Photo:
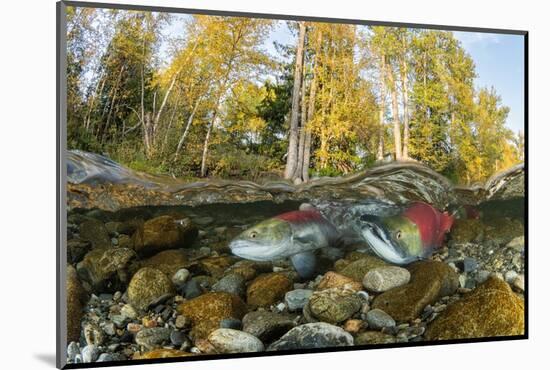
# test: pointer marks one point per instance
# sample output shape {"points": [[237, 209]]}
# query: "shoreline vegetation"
{"points": [[233, 99]]}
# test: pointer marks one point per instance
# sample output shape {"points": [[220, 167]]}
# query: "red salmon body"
{"points": [[301, 216], [432, 224]]}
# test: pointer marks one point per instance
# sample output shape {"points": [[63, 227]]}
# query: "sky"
{"points": [[499, 61]]}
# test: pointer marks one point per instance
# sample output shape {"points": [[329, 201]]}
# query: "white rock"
{"points": [[385, 278], [518, 243], [519, 283], [128, 311], [180, 277], [510, 275], [234, 341]]}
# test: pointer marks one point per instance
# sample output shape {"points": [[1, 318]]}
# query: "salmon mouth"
{"points": [[254, 251]]}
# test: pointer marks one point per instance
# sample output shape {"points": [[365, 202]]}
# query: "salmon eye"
{"points": [[398, 235], [253, 234]]}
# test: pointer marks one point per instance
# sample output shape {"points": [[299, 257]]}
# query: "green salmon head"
{"points": [[266, 241], [395, 239]]}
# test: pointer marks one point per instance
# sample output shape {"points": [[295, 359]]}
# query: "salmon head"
{"points": [[411, 235]]}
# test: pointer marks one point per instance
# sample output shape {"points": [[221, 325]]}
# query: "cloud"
{"points": [[469, 39]]}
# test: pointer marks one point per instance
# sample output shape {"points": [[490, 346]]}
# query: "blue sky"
{"points": [[499, 61]]}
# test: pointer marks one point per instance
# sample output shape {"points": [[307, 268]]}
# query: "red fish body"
{"points": [[432, 224]]}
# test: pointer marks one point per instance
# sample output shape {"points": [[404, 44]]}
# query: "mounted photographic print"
{"points": [[234, 184]]}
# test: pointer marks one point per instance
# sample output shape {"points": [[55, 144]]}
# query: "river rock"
{"points": [[93, 335], [147, 286], [216, 266], [502, 230], [467, 231], [169, 261], [385, 278], [234, 341], [268, 289], [231, 323], [161, 353], [90, 353], [231, 283], [266, 325], [191, 289], [77, 249], [72, 350], [109, 357], [75, 304], [334, 305], [356, 270], [161, 233], [335, 280], [180, 277], [313, 335], [151, 338], [206, 311], [430, 280], [296, 299], [378, 319], [490, 310], [374, 337], [105, 270], [95, 232], [128, 311], [247, 269], [518, 243]]}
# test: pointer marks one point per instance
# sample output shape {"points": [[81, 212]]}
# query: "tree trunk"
{"points": [[108, 122], [186, 131], [292, 154], [395, 112], [163, 104], [303, 121], [405, 88], [381, 112], [205, 146], [97, 91]]}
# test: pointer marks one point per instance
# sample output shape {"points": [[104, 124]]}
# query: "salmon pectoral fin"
{"points": [[305, 264]]}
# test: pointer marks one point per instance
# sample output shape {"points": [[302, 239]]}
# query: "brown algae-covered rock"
{"points": [[216, 266], [430, 280], [334, 305], [75, 299], [168, 261], [374, 337], [104, 269], [95, 232], [335, 280], [147, 286], [467, 230], [492, 309], [207, 310], [268, 289], [163, 233], [161, 353], [356, 270]]}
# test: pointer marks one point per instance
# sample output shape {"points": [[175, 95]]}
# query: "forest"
{"points": [[331, 100]]}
